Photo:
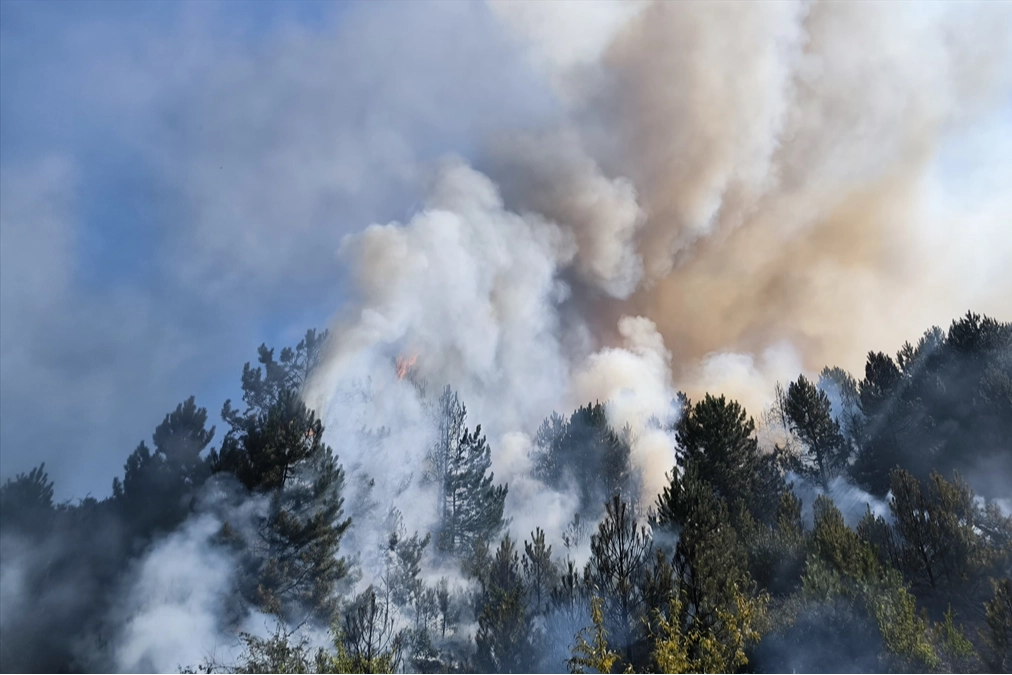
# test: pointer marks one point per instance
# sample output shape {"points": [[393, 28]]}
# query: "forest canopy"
{"points": [[751, 558]]}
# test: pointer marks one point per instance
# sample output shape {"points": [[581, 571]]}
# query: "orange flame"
{"points": [[405, 364]]}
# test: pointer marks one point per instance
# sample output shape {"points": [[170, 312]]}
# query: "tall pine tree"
{"points": [[507, 640], [275, 448], [470, 505], [825, 451]]}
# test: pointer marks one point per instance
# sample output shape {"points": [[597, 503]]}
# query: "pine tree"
{"points": [[569, 604], [507, 640], [586, 453], [619, 556], [838, 546], [937, 526], [157, 486], [275, 449], [540, 571], [400, 577], [997, 635], [26, 502], [721, 610], [810, 413], [470, 504], [369, 637], [548, 457], [880, 450], [776, 553], [719, 440]]}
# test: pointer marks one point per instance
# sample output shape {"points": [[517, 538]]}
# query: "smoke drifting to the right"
{"points": [[755, 174], [732, 195], [582, 403]]}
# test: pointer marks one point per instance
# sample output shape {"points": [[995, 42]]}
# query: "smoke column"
{"points": [[736, 192], [728, 195]]}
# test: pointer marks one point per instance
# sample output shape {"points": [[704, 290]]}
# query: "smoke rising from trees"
{"points": [[571, 414]]}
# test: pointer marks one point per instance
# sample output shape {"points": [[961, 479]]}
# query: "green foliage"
{"points": [[844, 566], [619, 555], [26, 501], [264, 386], [720, 611], [368, 641], [997, 634], [285, 652], [157, 486], [681, 645], [904, 632], [586, 452], [838, 546], [540, 571], [878, 534], [937, 526], [825, 451], [727, 579], [403, 565], [507, 640], [952, 645], [718, 439], [670, 647], [942, 406], [776, 553], [595, 653], [470, 504], [276, 449]]}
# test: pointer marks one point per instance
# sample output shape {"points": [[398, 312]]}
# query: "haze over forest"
{"points": [[649, 336]]}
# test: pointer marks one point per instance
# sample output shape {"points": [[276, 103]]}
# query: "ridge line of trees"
{"points": [[720, 574]]}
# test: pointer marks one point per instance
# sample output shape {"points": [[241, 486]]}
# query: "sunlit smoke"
{"points": [[736, 194]]}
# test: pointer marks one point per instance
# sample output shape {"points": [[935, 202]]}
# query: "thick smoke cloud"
{"points": [[736, 193], [176, 178], [719, 197], [781, 156]]}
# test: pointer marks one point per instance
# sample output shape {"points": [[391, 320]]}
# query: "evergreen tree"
{"points": [[877, 533], [619, 556], [549, 457], [158, 486], [942, 405], [401, 581], [568, 614], [825, 451], [586, 453], [838, 546], [470, 504], [776, 553], [276, 449], [937, 525], [997, 634], [719, 440], [507, 640], [26, 502], [369, 637], [540, 571], [880, 448]]}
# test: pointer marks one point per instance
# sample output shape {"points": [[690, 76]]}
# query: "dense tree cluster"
{"points": [[728, 570]]}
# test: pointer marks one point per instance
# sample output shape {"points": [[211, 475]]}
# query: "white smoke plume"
{"points": [[852, 501], [177, 607], [736, 193], [784, 158], [731, 193]]}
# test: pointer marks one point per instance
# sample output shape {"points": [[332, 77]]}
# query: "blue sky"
{"points": [[177, 178]]}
